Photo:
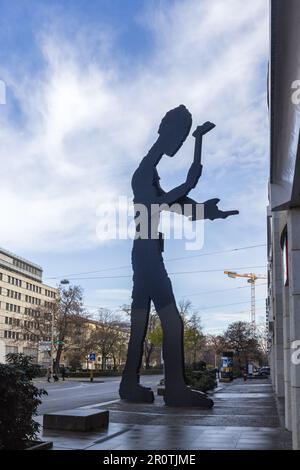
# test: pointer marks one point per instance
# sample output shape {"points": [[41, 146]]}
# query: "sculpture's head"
{"points": [[174, 129]]}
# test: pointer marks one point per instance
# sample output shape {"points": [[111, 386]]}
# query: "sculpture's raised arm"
{"points": [[194, 172]]}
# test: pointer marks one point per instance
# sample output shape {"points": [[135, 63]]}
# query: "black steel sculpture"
{"points": [[150, 278]]}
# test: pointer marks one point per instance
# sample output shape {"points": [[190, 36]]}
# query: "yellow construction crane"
{"points": [[252, 278]]}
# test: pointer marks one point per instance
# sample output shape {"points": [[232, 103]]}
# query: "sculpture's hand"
{"points": [[212, 212], [198, 134], [201, 130]]}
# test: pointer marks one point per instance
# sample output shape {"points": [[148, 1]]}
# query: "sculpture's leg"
{"points": [[177, 393], [173, 353], [130, 389]]}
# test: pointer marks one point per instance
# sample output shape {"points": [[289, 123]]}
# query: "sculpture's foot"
{"points": [[136, 393], [187, 397]]}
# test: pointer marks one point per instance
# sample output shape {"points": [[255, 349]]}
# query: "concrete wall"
{"points": [[294, 303], [277, 308], [285, 313]]}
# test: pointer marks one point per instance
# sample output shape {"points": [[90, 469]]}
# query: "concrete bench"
{"points": [[76, 420]]}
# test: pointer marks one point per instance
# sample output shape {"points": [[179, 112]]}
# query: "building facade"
{"points": [[22, 295], [284, 210], [113, 340]]}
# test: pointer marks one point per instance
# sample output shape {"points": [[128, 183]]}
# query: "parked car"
{"points": [[264, 371]]}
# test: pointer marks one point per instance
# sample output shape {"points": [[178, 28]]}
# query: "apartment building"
{"points": [[22, 294]]}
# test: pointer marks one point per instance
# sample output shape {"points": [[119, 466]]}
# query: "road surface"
{"points": [[75, 394]]}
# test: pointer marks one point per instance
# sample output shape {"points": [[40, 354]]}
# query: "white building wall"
{"points": [[287, 358], [277, 304], [294, 301]]}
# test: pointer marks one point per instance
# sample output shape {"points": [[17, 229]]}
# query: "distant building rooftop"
{"points": [[17, 264]]}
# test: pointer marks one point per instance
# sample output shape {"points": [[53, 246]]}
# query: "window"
{"points": [[11, 349], [14, 281], [285, 257], [13, 294], [33, 352], [13, 308]]}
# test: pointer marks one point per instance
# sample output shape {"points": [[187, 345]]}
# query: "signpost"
{"points": [[227, 367], [44, 346], [92, 359]]}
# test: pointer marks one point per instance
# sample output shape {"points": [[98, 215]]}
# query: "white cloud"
{"points": [[86, 123]]}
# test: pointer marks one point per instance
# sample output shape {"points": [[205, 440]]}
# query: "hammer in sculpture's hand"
{"points": [[195, 170]]}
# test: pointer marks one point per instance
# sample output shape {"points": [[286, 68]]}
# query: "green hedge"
{"points": [[96, 373], [152, 371], [110, 373], [201, 380]]}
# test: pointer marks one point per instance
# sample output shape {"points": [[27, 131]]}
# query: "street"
{"points": [[77, 393]]}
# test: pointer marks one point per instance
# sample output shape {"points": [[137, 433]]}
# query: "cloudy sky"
{"points": [[87, 83]]}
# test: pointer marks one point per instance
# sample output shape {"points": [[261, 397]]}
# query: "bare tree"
{"points": [[108, 336], [215, 344], [69, 317], [63, 317], [242, 338], [184, 307]]}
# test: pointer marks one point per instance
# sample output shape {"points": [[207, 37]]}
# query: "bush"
{"points": [[19, 400], [75, 363], [200, 365], [110, 373], [96, 373], [154, 371], [201, 380], [42, 372]]}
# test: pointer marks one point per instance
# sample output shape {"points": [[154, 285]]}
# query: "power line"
{"points": [[228, 305], [243, 311], [217, 252], [167, 260], [211, 306], [200, 308], [172, 273], [223, 305], [184, 295], [221, 290]]}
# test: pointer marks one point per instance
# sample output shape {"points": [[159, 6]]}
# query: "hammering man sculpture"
{"points": [[150, 278]]}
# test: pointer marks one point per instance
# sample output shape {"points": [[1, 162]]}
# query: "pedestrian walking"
{"points": [[48, 376], [55, 377], [63, 373]]}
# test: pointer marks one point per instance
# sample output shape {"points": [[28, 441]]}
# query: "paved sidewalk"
{"points": [[244, 417]]}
